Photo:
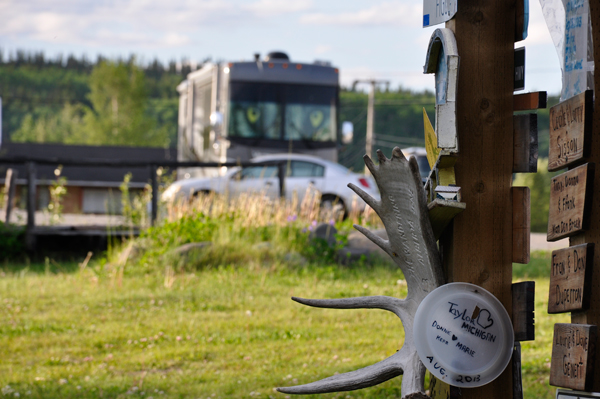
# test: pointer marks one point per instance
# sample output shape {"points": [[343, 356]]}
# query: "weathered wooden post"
{"points": [[9, 192], [478, 246], [281, 170], [31, 205], [154, 188]]}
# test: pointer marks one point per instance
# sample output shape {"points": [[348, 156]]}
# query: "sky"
{"points": [[365, 39]]}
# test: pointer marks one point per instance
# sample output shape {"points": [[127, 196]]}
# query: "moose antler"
{"points": [[412, 246]]}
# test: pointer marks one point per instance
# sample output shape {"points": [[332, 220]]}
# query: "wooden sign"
{"points": [[521, 19], [570, 131], [570, 278], [521, 227], [517, 372], [523, 310], [525, 139], [530, 101], [570, 194], [567, 394], [573, 355]]}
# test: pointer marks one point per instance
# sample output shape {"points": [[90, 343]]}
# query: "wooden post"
{"points": [[10, 187], [31, 205], [154, 183], [477, 248], [281, 169], [592, 235]]}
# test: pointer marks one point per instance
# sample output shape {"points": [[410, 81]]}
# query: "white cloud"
{"points": [[129, 23], [394, 14], [323, 49], [175, 39], [270, 8]]}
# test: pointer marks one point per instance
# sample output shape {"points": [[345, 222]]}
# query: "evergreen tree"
{"points": [[119, 97]]}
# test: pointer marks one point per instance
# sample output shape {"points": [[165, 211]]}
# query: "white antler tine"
{"points": [[397, 153], [412, 246], [364, 302], [369, 164], [372, 202], [380, 242], [357, 379], [381, 156]]}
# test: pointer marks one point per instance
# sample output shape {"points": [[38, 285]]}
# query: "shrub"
{"points": [[12, 241], [247, 231]]}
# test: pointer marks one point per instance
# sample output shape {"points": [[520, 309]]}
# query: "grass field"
{"points": [[71, 332]]}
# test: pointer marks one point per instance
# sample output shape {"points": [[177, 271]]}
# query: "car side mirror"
{"points": [[347, 132]]}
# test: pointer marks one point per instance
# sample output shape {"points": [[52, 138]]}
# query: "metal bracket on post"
{"points": [[443, 60]]}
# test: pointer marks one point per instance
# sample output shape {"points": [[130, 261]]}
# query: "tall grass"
{"points": [[247, 231]]}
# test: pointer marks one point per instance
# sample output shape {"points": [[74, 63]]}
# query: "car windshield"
{"points": [[282, 111]]}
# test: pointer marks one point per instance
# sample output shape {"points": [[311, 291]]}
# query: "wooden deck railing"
{"points": [[152, 166]]}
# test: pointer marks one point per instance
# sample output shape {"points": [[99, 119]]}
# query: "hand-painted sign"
{"points": [[438, 11], [573, 350], [463, 335], [570, 131], [570, 193], [577, 56], [570, 278]]}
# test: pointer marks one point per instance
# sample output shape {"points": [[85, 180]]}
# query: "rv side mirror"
{"points": [[347, 132], [216, 119]]}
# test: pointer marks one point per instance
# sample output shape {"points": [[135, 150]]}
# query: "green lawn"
{"points": [[221, 332]]}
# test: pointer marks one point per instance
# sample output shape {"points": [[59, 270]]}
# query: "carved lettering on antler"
{"points": [[412, 245]]}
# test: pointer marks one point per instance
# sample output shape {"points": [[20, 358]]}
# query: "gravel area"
{"points": [[538, 241]]}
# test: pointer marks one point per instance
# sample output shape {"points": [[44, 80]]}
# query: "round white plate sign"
{"points": [[463, 335]]}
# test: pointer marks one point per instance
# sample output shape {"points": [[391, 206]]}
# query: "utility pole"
{"points": [[370, 113]]}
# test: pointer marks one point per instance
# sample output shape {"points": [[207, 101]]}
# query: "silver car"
{"points": [[302, 172]]}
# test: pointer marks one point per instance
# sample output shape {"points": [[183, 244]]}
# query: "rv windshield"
{"points": [[283, 111]]}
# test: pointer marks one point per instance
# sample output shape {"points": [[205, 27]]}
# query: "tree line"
{"points": [[126, 102], [76, 101]]}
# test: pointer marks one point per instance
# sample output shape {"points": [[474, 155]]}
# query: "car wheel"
{"points": [[199, 195], [333, 207]]}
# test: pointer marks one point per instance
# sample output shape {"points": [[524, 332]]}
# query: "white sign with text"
{"points": [[463, 335], [438, 11]]}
